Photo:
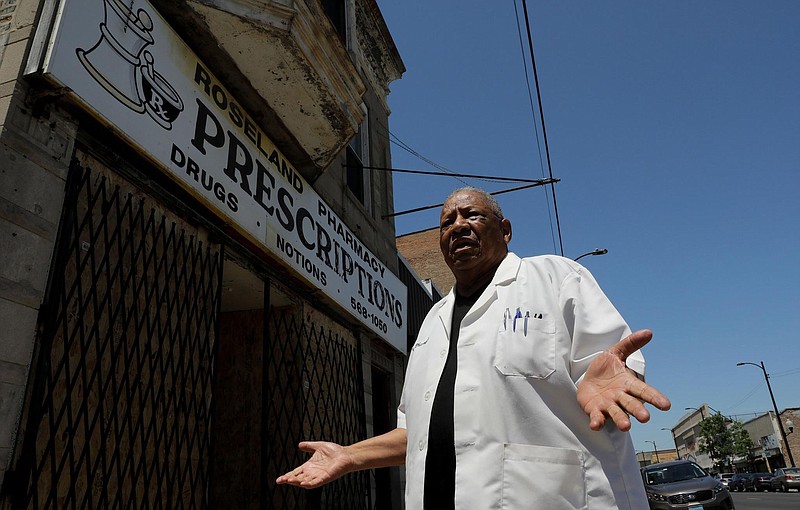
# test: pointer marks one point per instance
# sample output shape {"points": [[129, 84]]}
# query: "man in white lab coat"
{"points": [[500, 381]]}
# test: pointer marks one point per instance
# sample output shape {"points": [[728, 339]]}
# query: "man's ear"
{"points": [[506, 230]]}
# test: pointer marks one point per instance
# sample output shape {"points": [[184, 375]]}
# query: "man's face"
{"points": [[473, 239]]}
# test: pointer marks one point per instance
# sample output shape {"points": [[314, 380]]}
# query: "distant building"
{"points": [[686, 434], [645, 458], [769, 452], [791, 424], [421, 250], [422, 295]]}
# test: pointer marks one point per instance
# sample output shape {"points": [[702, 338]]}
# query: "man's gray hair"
{"points": [[493, 204]]}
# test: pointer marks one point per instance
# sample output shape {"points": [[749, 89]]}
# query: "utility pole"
{"points": [[674, 440], [775, 407], [655, 448]]}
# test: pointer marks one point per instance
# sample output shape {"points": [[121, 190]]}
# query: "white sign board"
{"points": [[126, 65]]}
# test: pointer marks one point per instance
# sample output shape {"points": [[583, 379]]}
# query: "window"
{"points": [[337, 13], [358, 178]]}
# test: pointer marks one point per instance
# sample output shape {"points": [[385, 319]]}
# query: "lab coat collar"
{"points": [[506, 272], [508, 269]]}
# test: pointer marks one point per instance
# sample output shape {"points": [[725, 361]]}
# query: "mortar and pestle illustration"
{"points": [[122, 66], [161, 100]]}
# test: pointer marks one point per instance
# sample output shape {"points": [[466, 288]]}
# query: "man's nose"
{"points": [[460, 224]]}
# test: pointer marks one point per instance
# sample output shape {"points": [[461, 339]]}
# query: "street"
{"points": [[766, 500]]}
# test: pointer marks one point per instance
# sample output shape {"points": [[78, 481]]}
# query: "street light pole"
{"points": [[774, 406], [677, 453], [598, 251], [702, 412], [655, 448]]}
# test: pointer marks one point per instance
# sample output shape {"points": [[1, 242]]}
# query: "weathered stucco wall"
{"points": [[34, 157]]}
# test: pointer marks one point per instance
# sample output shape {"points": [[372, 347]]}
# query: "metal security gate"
{"points": [[120, 408], [317, 393], [122, 401]]}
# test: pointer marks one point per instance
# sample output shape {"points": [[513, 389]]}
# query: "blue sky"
{"points": [[675, 130]]}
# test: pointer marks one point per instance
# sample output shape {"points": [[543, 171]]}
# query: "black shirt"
{"points": [[440, 462]]}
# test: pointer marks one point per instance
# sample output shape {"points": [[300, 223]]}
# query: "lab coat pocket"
{"points": [[528, 351], [543, 478]]}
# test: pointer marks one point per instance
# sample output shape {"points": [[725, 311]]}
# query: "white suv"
{"points": [[725, 478]]}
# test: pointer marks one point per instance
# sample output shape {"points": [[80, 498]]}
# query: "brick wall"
{"points": [[421, 250], [793, 415]]}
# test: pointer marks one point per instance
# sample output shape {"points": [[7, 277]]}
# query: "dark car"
{"points": [[784, 479], [758, 482], [685, 485], [736, 483]]}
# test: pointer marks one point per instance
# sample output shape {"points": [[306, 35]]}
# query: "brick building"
{"points": [[421, 249], [790, 418]]}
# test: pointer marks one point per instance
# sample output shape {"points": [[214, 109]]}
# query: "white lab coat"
{"points": [[522, 440]]}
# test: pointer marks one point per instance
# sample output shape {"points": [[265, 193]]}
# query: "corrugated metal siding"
{"points": [[419, 302]]}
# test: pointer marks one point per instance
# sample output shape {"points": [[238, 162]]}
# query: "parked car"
{"points": [[784, 479], [758, 482], [683, 484], [725, 478], [736, 483]]}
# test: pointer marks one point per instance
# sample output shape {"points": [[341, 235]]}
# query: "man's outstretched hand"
{"points": [[328, 462], [610, 389]]}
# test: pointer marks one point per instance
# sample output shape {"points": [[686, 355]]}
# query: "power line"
{"points": [[750, 394], [491, 178], [541, 116], [540, 182], [783, 374], [533, 114], [394, 139], [397, 141], [754, 414]]}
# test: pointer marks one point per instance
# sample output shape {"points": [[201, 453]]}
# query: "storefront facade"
{"points": [[198, 270]]}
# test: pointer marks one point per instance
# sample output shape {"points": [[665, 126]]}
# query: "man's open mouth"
{"points": [[461, 245]]}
